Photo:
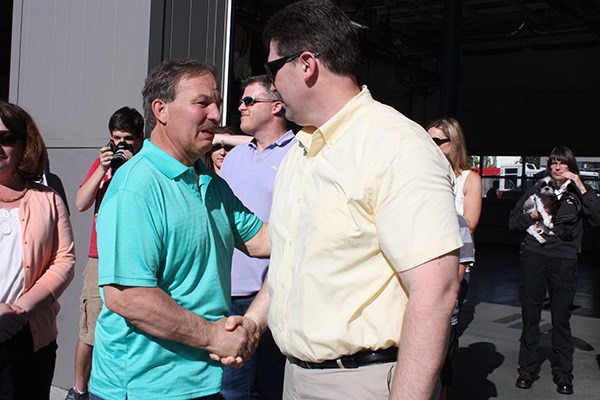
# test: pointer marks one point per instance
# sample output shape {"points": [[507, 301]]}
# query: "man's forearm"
{"points": [[87, 192], [154, 312], [259, 309], [425, 329], [422, 350]]}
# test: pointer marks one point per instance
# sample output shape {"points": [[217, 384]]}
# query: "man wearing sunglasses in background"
{"points": [[363, 274], [250, 171]]}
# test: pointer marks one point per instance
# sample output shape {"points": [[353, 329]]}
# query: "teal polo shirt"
{"points": [[159, 226]]}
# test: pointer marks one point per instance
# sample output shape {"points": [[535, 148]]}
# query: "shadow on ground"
{"points": [[476, 362]]}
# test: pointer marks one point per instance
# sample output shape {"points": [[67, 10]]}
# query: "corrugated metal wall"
{"points": [[192, 29]]}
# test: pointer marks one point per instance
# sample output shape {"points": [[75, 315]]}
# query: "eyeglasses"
{"points": [[10, 138], [219, 146], [439, 141], [249, 100], [272, 67]]}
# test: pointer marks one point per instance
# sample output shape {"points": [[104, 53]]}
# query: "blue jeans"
{"points": [[240, 383], [261, 377]]}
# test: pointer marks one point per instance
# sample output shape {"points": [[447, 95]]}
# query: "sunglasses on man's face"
{"points": [[439, 141], [249, 100], [9, 138], [272, 67]]}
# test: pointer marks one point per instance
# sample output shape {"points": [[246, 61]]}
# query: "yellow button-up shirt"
{"points": [[365, 196]]}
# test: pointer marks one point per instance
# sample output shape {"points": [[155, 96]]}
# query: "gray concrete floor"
{"points": [[491, 326], [57, 393], [488, 353]]}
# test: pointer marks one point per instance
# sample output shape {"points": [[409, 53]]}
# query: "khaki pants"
{"points": [[372, 382], [91, 303]]}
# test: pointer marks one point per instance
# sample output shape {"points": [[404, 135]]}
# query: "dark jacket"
{"points": [[568, 221]]}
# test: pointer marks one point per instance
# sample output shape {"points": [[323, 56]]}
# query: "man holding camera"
{"points": [[126, 128]]}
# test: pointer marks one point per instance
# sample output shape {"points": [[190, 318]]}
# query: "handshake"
{"points": [[234, 339]]}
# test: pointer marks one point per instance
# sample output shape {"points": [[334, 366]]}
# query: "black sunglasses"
{"points": [[439, 141], [272, 67], [10, 138], [249, 100]]}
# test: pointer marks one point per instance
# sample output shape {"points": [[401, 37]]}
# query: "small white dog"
{"points": [[543, 201]]}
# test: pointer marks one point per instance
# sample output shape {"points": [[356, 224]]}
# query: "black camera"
{"points": [[118, 149]]}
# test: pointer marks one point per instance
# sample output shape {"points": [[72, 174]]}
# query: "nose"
{"points": [[214, 114], [241, 106]]}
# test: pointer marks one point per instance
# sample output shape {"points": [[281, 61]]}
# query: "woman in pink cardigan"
{"points": [[36, 260]]}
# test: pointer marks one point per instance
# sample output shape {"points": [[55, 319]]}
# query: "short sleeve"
{"points": [[91, 171], [129, 245], [414, 212], [245, 224]]}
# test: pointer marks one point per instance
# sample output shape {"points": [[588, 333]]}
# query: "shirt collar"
{"points": [[163, 161], [314, 139], [281, 142]]}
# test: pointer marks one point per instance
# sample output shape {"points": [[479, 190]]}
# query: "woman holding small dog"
{"points": [[552, 265]]}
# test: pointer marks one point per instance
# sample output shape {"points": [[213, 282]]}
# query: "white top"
{"points": [[12, 277], [459, 194]]}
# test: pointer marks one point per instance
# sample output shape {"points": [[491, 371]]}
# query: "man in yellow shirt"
{"points": [[363, 227]]}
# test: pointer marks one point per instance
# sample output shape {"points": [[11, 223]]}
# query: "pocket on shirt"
{"points": [[328, 229]]}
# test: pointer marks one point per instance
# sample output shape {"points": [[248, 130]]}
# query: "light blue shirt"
{"points": [[160, 227], [251, 175]]}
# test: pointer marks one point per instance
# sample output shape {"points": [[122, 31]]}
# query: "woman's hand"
{"points": [[576, 180], [12, 320]]}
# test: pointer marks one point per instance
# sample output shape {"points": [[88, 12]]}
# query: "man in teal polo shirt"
{"points": [[165, 262]]}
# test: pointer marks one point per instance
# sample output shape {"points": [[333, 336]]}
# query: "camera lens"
{"points": [[119, 156]]}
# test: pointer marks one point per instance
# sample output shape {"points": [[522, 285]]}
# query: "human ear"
{"points": [[160, 111]]}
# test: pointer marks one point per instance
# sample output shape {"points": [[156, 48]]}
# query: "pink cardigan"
{"points": [[48, 255]]}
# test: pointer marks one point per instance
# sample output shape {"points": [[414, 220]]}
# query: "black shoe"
{"points": [[525, 380], [564, 388], [75, 395]]}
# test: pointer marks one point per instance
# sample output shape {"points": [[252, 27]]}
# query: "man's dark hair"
{"points": [[318, 26], [127, 119], [566, 156], [162, 82], [264, 81]]}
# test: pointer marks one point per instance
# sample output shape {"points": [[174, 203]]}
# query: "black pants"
{"points": [[559, 276], [24, 374]]}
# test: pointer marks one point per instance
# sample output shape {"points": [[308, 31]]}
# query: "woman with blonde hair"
{"points": [[449, 137], [36, 244]]}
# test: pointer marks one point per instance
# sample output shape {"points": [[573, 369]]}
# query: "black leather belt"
{"points": [[360, 359], [247, 296]]}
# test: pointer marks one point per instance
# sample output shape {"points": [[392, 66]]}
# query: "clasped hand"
{"points": [[12, 320], [235, 340]]}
